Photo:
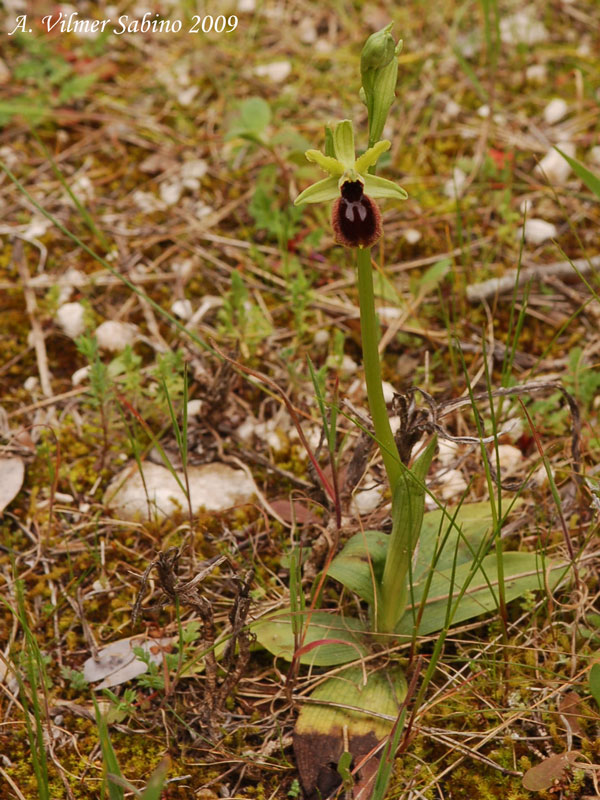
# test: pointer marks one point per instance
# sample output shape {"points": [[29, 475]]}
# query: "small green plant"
{"points": [[242, 319]]}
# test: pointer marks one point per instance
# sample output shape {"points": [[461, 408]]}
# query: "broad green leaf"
{"points": [[381, 696], [523, 572], [275, 634], [319, 192], [351, 566], [452, 542], [595, 682], [591, 181]]}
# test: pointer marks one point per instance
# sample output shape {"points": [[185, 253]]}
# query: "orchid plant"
{"points": [[409, 590]]}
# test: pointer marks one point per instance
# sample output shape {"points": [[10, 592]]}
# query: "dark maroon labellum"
{"points": [[355, 218]]}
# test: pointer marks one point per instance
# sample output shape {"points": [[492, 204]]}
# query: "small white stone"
{"points": [[540, 476], [83, 189], [214, 487], [246, 6], [348, 365], [452, 484], [276, 71], [70, 317], [553, 167], [412, 235], [194, 168], [182, 309], [366, 499], [454, 185], [170, 192], [452, 109], [245, 431], [36, 228], [201, 210], [388, 391], [595, 154], [31, 384], [536, 73], [185, 97], [510, 458], [80, 375], [483, 111], [555, 110], [447, 452], [146, 201], [306, 31], [536, 231], [194, 407], [321, 337], [115, 336], [522, 28], [183, 268], [525, 206]]}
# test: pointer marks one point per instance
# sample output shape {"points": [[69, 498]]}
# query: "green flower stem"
{"points": [[370, 341]]}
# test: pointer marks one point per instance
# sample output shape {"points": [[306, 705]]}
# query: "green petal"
{"points": [[330, 165], [381, 187], [371, 156], [343, 143], [319, 192]]}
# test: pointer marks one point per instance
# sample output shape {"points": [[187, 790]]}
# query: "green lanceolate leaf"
{"points": [[345, 713], [338, 638], [466, 592]]}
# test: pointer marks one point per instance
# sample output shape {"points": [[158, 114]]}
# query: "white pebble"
{"points": [[510, 458], [194, 168], [555, 110], [483, 111], [454, 185], [70, 317], [366, 500], [170, 192], [276, 71], [246, 6], [452, 484], [522, 28], [553, 167], [525, 206], [80, 375], [115, 336], [536, 73], [447, 452], [321, 337], [595, 154], [536, 231], [412, 235], [182, 309], [452, 109], [194, 407]]}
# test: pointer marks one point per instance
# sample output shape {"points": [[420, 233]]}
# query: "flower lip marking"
{"points": [[355, 218]]}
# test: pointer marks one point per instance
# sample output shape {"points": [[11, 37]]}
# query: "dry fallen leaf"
{"points": [[12, 473], [543, 775]]}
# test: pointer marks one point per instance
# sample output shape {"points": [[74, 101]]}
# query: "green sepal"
{"points": [[319, 192], [330, 165], [381, 187], [343, 142], [371, 156]]}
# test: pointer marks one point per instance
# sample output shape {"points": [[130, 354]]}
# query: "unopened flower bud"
{"points": [[379, 72], [378, 50]]}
